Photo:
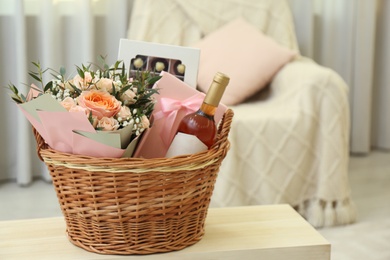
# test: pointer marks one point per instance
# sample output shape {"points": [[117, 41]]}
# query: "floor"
{"points": [[368, 238]]}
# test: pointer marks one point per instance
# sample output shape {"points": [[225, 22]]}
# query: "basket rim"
{"points": [[197, 162], [108, 164]]}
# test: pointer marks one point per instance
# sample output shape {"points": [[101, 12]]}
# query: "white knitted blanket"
{"points": [[289, 144], [292, 147]]}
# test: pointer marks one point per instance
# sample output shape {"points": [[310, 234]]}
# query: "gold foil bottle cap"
{"points": [[221, 78], [217, 88]]}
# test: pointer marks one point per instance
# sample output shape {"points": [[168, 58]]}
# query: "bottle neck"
{"points": [[207, 110], [214, 95]]}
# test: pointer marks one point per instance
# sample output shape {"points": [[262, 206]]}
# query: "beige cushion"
{"points": [[246, 55]]}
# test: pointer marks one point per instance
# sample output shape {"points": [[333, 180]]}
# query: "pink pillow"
{"points": [[246, 55]]}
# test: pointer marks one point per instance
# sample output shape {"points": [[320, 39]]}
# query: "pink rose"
{"points": [[100, 103], [83, 83], [108, 124], [33, 93], [68, 103], [104, 84], [79, 109]]}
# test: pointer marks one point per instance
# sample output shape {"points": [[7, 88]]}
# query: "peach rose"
{"points": [[124, 113], [104, 84], [145, 122], [128, 97], [100, 103], [68, 103], [107, 124]]}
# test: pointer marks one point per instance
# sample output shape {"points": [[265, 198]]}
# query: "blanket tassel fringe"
{"points": [[320, 213]]}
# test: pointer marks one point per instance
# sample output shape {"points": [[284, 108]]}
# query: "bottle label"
{"points": [[185, 144]]}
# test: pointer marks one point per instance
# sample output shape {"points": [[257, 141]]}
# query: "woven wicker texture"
{"points": [[134, 205]]}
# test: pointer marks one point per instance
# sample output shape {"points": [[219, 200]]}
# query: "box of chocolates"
{"points": [[182, 62]]}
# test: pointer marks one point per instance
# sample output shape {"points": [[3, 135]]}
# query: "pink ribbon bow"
{"points": [[169, 109]]}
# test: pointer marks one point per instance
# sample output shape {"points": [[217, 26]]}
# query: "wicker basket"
{"points": [[133, 205]]}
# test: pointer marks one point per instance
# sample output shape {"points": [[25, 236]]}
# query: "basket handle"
{"points": [[224, 128]]}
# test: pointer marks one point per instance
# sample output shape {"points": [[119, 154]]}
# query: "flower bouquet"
{"points": [[98, 112]]}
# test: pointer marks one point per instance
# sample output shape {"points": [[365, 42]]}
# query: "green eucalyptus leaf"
{"points": [[153, 80], [113, 89], [48, 86], [36, 64], [80, 71], [54, 75], [16, 100], [102, 59], [23, 97], [123, 71], [35, 88], [13, 89], [62, 71], [78, 91], [117, 63], [125, 88], [35, 77]]}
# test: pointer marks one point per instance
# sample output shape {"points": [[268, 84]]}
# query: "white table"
{"points": [[253, 232]]}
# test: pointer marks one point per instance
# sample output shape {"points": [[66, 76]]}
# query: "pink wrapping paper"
{"points": [[82, 145], [59, 128], [176, 99]]}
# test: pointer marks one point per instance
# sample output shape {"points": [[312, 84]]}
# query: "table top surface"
{"points": [[272, 231]]}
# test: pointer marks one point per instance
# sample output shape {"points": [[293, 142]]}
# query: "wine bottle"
{"points": [[197, 131]]}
